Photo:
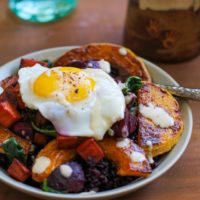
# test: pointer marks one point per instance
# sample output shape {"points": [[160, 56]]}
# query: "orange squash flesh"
{"points": [[56, 156], [121, 157], [162, 139], [128, 65]]}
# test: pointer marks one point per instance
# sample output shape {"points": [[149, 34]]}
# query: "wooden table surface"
{"points": [[103, 21]]}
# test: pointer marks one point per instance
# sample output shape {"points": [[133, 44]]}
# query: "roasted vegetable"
{"points": [[9, 114], [126, 126], [46, 188], [24, 130], [56, 156], [18, 171], [128, 65], [5, 134], [25, 62], [13, 150], [10, 81], [66, 142], [47, 131], [132, 84], [49, 63], [90, 150], [73, 182], [127, 163], [40, 139], [152, 138]]}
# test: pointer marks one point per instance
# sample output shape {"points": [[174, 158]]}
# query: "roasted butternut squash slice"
{"points": [[128, 156], [128, 63], [6, 134], [153, 138], [56, 157]]}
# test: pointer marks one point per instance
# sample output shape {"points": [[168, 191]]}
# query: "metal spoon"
{"points": [[186, 93]]}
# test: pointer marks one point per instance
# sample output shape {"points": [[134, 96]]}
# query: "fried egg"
{"points": [[78, 102]]}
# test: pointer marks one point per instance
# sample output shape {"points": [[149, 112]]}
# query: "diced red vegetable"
{"points": [[40, 139], [90, 150], [16, 91], [66, 142], [11, 81], [20, 102], [18, 171], [31, 62], [8, 114]]}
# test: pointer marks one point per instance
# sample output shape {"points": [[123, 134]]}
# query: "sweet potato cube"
{"points": [[31, 62], [18, 171], [66, 142], [8, 114], [90, 151]]}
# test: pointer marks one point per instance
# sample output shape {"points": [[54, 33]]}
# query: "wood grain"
{"points": [[103, 21]]}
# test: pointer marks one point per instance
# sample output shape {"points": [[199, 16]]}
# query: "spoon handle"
{"points": [[187, 93]]}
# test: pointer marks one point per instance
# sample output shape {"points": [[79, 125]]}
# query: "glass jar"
{"points": [[163, 30], [42, 10]]}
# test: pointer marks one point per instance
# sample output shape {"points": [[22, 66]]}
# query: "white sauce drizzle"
{"points": [[1, 90], [150, 156], [66, 171], [137, 157], [157, 114], [41, 165], [104, 65], [123, 143], [122, 51]]}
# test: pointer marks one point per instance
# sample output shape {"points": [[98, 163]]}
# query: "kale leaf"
{"points": [[132, 84], [13, 150], [46, 188]]}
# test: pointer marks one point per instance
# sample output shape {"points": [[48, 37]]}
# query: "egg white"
{"points": [[91, 117]]}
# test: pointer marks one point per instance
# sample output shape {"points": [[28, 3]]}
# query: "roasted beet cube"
{"points": [[66, 142], [133, 123], [24, 130], [121, 128], [90, 150], [18, 171], [40, 139], [31, 62], [8, 114], [126, 126]]}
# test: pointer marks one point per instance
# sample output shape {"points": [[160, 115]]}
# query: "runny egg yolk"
{"points": [[71, 82]]}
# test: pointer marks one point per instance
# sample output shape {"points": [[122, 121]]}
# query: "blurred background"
{"points": [[91, 21], [143, 31]]}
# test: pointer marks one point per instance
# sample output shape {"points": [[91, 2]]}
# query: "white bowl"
{"points": [[168, 161]]}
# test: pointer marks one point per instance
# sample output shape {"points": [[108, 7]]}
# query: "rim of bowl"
{"points": [[114, 192]]}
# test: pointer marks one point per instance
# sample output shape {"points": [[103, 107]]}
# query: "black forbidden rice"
{"points": [[102, 176]]}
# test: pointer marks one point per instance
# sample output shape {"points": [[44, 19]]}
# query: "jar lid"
{"points": [[165, 5]]}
